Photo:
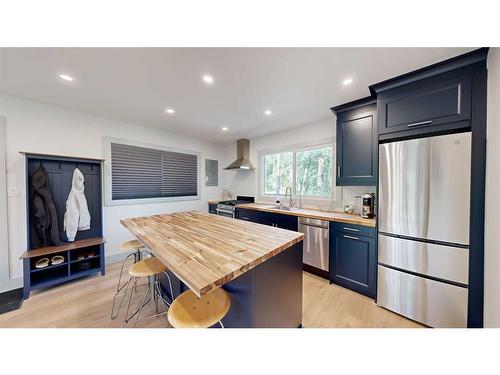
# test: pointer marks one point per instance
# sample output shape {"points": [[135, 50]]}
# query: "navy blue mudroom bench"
{"points": [[85, 255]]}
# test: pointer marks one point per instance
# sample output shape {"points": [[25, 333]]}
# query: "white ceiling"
{"points": [[135, 85]]}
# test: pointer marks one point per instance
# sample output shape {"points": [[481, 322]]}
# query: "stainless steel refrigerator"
{"points": [[423, 242]]}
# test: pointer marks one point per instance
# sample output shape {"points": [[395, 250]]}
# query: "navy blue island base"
{"points": [[267, 296]]}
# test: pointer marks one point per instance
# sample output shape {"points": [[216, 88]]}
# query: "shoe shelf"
{"points": [[49, 267], [71, 268]]}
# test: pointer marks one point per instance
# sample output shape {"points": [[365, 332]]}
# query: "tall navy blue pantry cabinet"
{"points": [[84, 256]]}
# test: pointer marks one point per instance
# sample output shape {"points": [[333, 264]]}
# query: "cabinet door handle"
{"points": [[351, 237], [338, 171], [420, 123], [351, 229]]}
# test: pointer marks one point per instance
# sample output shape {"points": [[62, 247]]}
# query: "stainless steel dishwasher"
{"points": [[316, 242]]}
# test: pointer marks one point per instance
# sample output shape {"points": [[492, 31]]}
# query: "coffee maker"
{"points": [[368, 207]]}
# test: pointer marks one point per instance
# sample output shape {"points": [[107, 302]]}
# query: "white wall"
{"points": [[492, 255], [39, 128], [247, 182]]}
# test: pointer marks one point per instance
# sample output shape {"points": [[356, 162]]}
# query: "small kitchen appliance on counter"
{"points": [[367, 210]]}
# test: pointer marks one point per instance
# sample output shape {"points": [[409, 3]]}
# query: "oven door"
{"points": [[226, 213]]}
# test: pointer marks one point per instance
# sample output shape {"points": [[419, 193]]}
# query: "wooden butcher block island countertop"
{"points": [[206, 251]]}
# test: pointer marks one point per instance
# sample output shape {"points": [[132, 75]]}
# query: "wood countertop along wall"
{"points": [[206, 251], [313, 214]]}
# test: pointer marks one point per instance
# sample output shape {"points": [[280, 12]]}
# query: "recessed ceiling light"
{"points": [[208, 79], [347, 81], [170, 111], [66, 77], [268, 112], [224, 129]]}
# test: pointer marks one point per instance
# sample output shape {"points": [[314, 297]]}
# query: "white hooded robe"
{"points": [[77, 215]]}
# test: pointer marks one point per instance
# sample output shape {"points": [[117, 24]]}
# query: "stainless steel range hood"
{"points": [[243, 156]]}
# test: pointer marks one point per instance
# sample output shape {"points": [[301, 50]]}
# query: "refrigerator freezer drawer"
{"points": [[443, 262], [430, 302], [424, 188]]}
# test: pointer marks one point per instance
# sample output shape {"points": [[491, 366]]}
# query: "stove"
{"points": [[227, 208]]}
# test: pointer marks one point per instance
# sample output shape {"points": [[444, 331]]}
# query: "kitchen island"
{"points": [[259, 266]]}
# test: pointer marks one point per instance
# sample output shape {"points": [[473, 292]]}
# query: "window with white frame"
{"points": [[308, 171]]}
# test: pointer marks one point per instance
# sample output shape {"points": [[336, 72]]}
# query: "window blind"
{"points": [[140, 172]]}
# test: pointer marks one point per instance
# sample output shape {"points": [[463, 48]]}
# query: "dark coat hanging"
{"points": [[45, 229]]}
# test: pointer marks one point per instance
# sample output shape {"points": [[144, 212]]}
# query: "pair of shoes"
{"points": [[85, 255], [58, 259], [44, 262]]}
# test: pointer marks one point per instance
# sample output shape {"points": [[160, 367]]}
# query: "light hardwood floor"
{"points": [[86, 303]]}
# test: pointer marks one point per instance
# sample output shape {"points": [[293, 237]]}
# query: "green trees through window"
{"points": [[278, 172], [314, 172], [311, 169]]}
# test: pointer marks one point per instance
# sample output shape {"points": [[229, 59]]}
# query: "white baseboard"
{"points": [[11, 284], [113, 258]]}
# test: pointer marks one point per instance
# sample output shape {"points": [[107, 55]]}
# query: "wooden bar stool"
{"points": [[151, 268], [190, 311], [136, 248]]}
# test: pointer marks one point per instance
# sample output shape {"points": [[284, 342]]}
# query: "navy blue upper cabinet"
{"points": [[432, 100], [357, 143], [427, 103]]}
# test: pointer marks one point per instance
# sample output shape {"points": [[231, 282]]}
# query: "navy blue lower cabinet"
{"points": [[247, 215], [212, 208], [282, 221], [353, 262], [278, 220]]}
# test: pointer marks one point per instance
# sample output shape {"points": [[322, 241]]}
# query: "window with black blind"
{"points": [[140, 172]]}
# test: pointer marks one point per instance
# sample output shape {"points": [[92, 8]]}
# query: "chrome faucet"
{"points": [[290, 202]]}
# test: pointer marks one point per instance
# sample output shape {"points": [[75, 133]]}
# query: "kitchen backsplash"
{"points": [[349, 193]]}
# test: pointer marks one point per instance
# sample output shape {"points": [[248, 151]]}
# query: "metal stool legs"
{"points": [[154, 289], [138, 255], [119, 288]]}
